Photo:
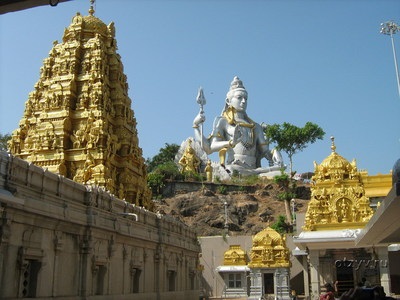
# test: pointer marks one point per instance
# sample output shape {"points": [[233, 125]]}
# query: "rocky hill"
{"points": [[247, 212]]}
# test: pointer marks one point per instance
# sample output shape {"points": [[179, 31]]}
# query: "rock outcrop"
{"points": [[246, 212]]}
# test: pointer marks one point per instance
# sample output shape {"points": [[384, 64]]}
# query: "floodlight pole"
{"points": [[226, 226], [391, 28]]}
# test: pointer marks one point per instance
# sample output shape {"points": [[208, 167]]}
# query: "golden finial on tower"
{"points": [[91, 9], [333, 147]]}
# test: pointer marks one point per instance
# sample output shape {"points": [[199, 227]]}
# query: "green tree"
{"points": [[3, 140], [161, 168], [162, 173], [287, 191], [166, 154], [156, 183], [169, 170], [280, 225], [292, 139]]}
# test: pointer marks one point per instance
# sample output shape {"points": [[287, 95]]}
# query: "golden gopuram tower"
{"points": [[338, 198], [78, 121]]}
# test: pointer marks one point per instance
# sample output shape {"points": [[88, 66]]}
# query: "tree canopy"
{"points": [[292, 139], [3, 140], [161, 168], [166, 154]]}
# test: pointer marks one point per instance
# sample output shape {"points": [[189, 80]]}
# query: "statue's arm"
{"points": [[220, 138], [198, 134], [262, 143], [273, 156]]}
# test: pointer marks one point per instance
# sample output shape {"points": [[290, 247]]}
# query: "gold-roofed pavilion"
{"points": [[235, 256], [269, 250], [78, 120], [337, 197]]}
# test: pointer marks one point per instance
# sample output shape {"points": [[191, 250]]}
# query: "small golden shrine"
{"points": [[235, 256], [337, 197], [78, 121], [269, 250]]}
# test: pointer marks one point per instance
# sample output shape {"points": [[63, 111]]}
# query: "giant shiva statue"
{"points": [[239, 141]]}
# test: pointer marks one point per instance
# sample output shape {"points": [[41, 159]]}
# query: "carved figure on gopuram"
{"points": [[238, 140], [78, 120], [337, 196]]}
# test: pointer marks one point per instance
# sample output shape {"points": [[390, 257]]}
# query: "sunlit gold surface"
{"points": [[376, 185], [337, 197], [189, 161], [269, 250], [235, 256], [78, 121]]}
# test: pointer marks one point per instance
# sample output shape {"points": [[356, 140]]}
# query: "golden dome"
{"points": [[335, 161], [267, 236], [89, 23], [93, 24], [334, 167]]}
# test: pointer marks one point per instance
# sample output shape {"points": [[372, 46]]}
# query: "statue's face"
{"points": [[238, 100]]}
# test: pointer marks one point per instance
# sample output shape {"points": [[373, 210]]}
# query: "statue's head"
{"points": [[236, 85], [236, 98]]}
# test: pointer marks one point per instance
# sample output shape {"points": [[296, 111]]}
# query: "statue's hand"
{"points": [[236, 137], [277, 158], [200, 118]]}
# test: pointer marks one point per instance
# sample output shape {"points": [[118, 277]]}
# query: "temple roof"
{"points": [[89, 23], [337, 196], [336, 162], [235, 256], [269, 250], [334, 167], [269, 236]]}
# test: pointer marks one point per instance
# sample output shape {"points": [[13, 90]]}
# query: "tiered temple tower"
{"points": [[78, 121]]}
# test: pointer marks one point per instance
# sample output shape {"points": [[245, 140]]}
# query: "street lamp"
{"points": [[293, 202], [226, 227], [391, 28]]}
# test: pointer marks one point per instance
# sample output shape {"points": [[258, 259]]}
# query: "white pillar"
{"points": [[282, 284], [383, 261], [305, 277], [314, 273], [256, 288]]}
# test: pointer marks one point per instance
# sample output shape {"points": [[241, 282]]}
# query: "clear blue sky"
{"points": [[319, 61]]}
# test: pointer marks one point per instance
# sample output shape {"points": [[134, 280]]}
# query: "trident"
{"points": [[201, 100]]}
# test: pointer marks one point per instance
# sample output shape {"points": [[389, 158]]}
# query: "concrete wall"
{"points": [[212, 256]]}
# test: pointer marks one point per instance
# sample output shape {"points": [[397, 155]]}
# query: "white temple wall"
{"points": [[212, 256], [72, 241], [327, 271]]}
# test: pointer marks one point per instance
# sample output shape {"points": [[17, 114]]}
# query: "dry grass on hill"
{"points": [[248, 213]]}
